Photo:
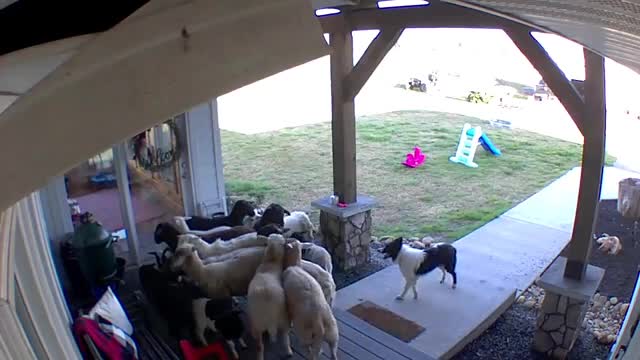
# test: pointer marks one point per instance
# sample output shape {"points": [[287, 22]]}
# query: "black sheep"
{"points": [[273, 214], [240, 209], [173, 299]]}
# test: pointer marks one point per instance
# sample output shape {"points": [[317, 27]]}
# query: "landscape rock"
{"points": [[521, 299], [603, 338], [599, 300], [530, 304], [417, 245], [613, 300], [623, 310], [553, 322], [374, 239], [427, 240], [385, 238]]}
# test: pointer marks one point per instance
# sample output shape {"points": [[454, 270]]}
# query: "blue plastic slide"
{"points": [[488, 145]]}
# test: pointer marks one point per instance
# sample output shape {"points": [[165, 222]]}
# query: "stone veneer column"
{"points": [[346, 231], [563, 308]]}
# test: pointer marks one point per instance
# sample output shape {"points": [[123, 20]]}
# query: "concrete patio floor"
{"points": [[495, 264]]}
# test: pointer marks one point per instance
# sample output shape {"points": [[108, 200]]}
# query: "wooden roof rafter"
{"points": [[434, 15]]}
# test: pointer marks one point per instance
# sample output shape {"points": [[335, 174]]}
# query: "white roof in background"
{"points": [[608, 27], [5, 3]]}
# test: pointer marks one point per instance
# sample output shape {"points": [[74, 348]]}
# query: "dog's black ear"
{"points": [[286, 211]]}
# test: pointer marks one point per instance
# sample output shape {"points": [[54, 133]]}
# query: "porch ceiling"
{"points": [[608, 27]]}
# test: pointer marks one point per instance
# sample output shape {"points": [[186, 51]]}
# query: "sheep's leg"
{"points": [[415, 292], [257, 335], [287, 342], [232, 346], [444, 273], [407, 285], [242, 343], [315, 349], [334, 349]]}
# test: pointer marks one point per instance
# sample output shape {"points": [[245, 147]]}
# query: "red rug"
{"points": [[105, 206]]}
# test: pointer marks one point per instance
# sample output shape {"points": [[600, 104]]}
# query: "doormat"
{"points": [[387, 321]]}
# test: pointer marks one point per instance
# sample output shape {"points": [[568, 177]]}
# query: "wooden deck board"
{"points": [[358, 341], [379, 336]]}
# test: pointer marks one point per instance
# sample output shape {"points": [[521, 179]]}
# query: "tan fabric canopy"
{"points": [[167, 57], [608, 27]]}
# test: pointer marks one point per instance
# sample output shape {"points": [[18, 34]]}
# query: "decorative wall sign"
{"points": [[154, 158]]}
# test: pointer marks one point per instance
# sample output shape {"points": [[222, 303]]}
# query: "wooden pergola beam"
{"points": [[435, 15], [552, 75], [377, 50], [593, 154], [343, 117]]}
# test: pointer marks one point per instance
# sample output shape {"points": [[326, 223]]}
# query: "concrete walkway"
{"points": [[495, 264]]}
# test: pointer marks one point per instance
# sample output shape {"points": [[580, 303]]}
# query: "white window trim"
{"points": [[22, 232], [202, 119]]}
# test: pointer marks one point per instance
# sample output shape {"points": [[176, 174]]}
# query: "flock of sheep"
{"points": [[266, 256]]}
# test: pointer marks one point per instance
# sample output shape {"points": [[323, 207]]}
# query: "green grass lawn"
{"points": [[441, 199]]}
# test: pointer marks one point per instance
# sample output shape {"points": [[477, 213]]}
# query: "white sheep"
{"points": [[317, 255], [299, 223], [228, 277], [220, 247], [324, 279], [311, 315], [265, 298]]}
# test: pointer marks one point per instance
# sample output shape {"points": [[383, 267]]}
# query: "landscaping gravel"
{"points": [[377, 263], [510, 337]]}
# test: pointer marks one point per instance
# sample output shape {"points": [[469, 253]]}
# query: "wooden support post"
{"points": [[593, 153], [343, 118], [372, 57], [550, 72]]}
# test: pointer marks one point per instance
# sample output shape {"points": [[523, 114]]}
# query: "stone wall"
{"points": [[347, 239], [559, 321]]}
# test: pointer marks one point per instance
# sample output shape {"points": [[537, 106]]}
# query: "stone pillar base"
{"points": [[346, 231], [563, 309]]}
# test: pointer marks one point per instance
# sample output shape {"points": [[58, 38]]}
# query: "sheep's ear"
{"points": [[193, 249], [288, 245]]}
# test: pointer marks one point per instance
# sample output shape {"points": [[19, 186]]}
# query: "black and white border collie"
{"points": [[414, 263]]}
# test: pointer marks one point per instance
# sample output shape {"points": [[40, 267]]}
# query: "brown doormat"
{"points": [[387, 321]]}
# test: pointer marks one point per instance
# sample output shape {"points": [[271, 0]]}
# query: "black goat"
{"points": [[240, 209], [221, 316], [273, 214], [173, 299]]}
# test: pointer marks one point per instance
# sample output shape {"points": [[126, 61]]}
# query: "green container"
{"points": [[94, 248]]}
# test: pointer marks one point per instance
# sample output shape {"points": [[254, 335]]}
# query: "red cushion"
{"points": [[192, 353]]}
